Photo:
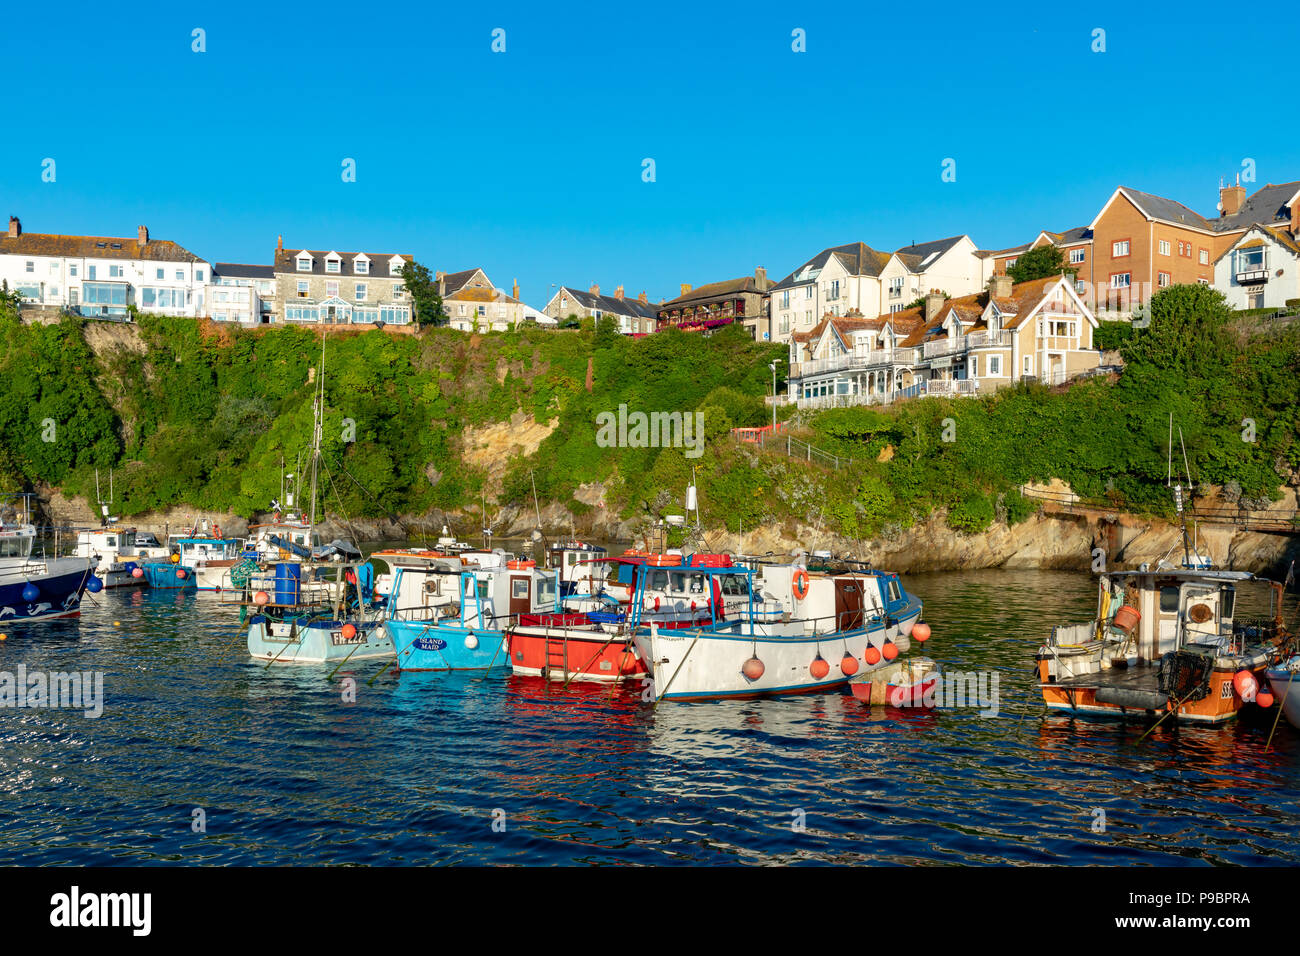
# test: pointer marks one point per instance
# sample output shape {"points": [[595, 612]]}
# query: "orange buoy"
{"points": [[261, 599], [752, 669], [181, 575], [871, 655], [176, 559], [890, 650], [921, 631], [1264, 698], [1244, 683], [137, 572], [349, 631], [819, 668], [799, 584], [849, 664]]}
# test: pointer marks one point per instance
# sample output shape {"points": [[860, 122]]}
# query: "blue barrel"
{"points": [[288, 579]]}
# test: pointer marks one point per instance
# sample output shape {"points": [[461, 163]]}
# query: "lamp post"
{"points": [[772, 366]]}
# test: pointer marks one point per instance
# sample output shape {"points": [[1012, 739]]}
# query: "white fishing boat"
{"points": [[120, 554], [1284, 683]]}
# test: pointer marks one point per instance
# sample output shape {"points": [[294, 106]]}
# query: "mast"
{"points": [[318, 427]]}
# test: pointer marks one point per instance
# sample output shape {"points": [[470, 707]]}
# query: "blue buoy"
{"points": [[30, 592], [94, 585], [129, 566]]}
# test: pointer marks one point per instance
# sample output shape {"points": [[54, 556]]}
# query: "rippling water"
{"points": [[418, 768]]}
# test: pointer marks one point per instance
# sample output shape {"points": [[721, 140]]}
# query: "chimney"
{"points": [[15, 227], [441, 278], [1231, 198], [933, 303], [618, 293], [1000, 286], [686, 287], [279, 244], [514, 289], [595, 289], [142, 236], [642, 298], [760, 274], [1295, 221]]}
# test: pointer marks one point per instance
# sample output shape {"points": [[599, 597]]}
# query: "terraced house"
{"points": [[340, 288], [102, 276], [634, 316], [1039, 330], [717, 304]]}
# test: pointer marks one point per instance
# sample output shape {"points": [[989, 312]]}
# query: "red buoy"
{"points": [[871, 656], [1264, 698], [921, 631], [181, 574], [261, 599], [349, 631], [849, 664], [752, 669], [819, 668], [890, 650], [137, 572], [1244, 683]]}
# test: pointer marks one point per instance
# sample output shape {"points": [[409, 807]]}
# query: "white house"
{"points": [[1261, 270], [835, 282], [241, 293], [103, 275], [950, 265]]}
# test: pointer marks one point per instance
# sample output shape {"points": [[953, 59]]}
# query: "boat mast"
{"points": [[318, 427]]}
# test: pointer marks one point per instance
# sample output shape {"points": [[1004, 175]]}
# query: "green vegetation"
{"points": [[423, 289], [192, 413], [1040, 263]]}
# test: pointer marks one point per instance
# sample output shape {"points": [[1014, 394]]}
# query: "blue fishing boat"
{"points": [[449, 612], [34, 587], [169, 574]]}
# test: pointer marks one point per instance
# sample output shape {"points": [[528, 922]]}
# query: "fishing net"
{"points": [[1185, 675], [242, 573]]}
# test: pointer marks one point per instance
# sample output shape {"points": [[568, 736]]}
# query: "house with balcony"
{"points": [[634, 316], [952, 265], [717, 304], [1261, 270], [241, 293], [102, 276], [328, 287], [837, 281], [975, 344]]}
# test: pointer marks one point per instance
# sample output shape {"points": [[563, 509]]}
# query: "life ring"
{"points": [[216, 531], [799, 584]]}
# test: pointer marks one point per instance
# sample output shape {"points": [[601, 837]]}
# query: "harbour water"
{"points": [[429, 768]]}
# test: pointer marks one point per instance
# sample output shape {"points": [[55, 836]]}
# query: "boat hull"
{"points": [[119, 575], [315, 641], [574, 655], [60, 585], [167, 576], [426, 646], [1286, 692]]}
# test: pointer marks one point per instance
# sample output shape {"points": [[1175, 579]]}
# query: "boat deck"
{"points": [[1143, 677]]}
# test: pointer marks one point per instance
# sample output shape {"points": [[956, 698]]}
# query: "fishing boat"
{"points": [[581, 574], [194, 562], [448, 612], [34, 588], [331, 617], [120, 554], [1284, 684], [779, 630]]}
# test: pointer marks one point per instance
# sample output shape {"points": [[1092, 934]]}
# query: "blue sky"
{"points": [[528, 163]]}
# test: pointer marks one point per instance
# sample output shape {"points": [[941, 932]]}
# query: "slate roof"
{"points": [[236, 270], [453, 282], [634, 308], [728, 288], [1266, 205], [915, 255], [858, 258], [1166, 210], [1071, 236], [94, 247], [286, 260]]}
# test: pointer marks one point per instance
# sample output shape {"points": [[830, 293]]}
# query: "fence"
{"points": [[1265, 522], [791, 447]]}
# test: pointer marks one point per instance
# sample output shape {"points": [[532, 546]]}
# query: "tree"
{"points": [[1040, 263], [423, 290]]}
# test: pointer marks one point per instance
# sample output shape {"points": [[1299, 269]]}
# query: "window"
{"points": [[115, 272], [31, 266], [54, 267], [1163, 279], [1010, 263], [361, 267], [1119, 250], [519, 588], [1205, 257], [104, 294], [180, 275], [90, 272], [159, 298], [835, 290], [1076, 256], [785, 299], [1184, 249], [361, 292], [1120, 280], [1253, 259], [995, 365], [304, 263], [1029, 365], [1168, 600], [161, 274], [332, 265], [1163, 247], [302, 289], [896, 286], [973, 367], [332, 288], [395, 268], [198, 275], [72, 269]]}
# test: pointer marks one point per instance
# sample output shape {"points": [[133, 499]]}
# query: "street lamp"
{"points": [[772, 366]]}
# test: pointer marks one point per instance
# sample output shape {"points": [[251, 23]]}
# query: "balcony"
{"points": [[983, 340], [1251, 276], [944, 346], [951, 387], [879, 358]]}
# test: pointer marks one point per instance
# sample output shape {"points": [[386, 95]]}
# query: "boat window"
{"points": [[570, 559], [545, 592], [735, 585], [482, 590], [13, 547], [110, 542], [894, 593], [1168, 600], [659, 580], [519, 588], [1228, 599], [679, 581]]}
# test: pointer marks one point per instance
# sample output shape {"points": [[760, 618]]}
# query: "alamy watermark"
{"points": [[654, 430], [958, 689], [35, 689]]}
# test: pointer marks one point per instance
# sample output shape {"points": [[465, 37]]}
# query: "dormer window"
{"points": [[395, 267], [304, 263], [333, 264], [361, 265]]}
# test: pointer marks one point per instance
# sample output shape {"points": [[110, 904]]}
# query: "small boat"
{"points": [[120, 552], [1284, 682], [332, 617], [448, 612], [194, 562], [1165, 641], [37, 588], [912, 682]]}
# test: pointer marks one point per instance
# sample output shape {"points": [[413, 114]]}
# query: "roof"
{"points": [[235, 270], [1266, 205], [1164, 210], [1071, 236], [94, 247], [608, 303], [1024, 299], [858, 259], [1281, 236], [286, 261], [453, 282], [919, 255], [720, 290], [904, 321]]}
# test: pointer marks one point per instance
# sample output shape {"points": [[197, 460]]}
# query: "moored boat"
{"points": [[1284, 684], [32, 587], [120, 554]]}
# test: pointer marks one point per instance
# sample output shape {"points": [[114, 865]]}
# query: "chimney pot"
{"points": [[1231, 198], [618, 293], [760, 274], [643, 298], [514, 291], [686, 287], [595, 289], [142, 236], [15, 227], [279, 244]]}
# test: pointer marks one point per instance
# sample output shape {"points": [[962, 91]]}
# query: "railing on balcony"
{"points": [[845, 362], [943, 346], [950, 387], [980, 340]]}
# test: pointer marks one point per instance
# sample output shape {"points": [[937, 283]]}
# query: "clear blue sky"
{"points": [[528, 163]]}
